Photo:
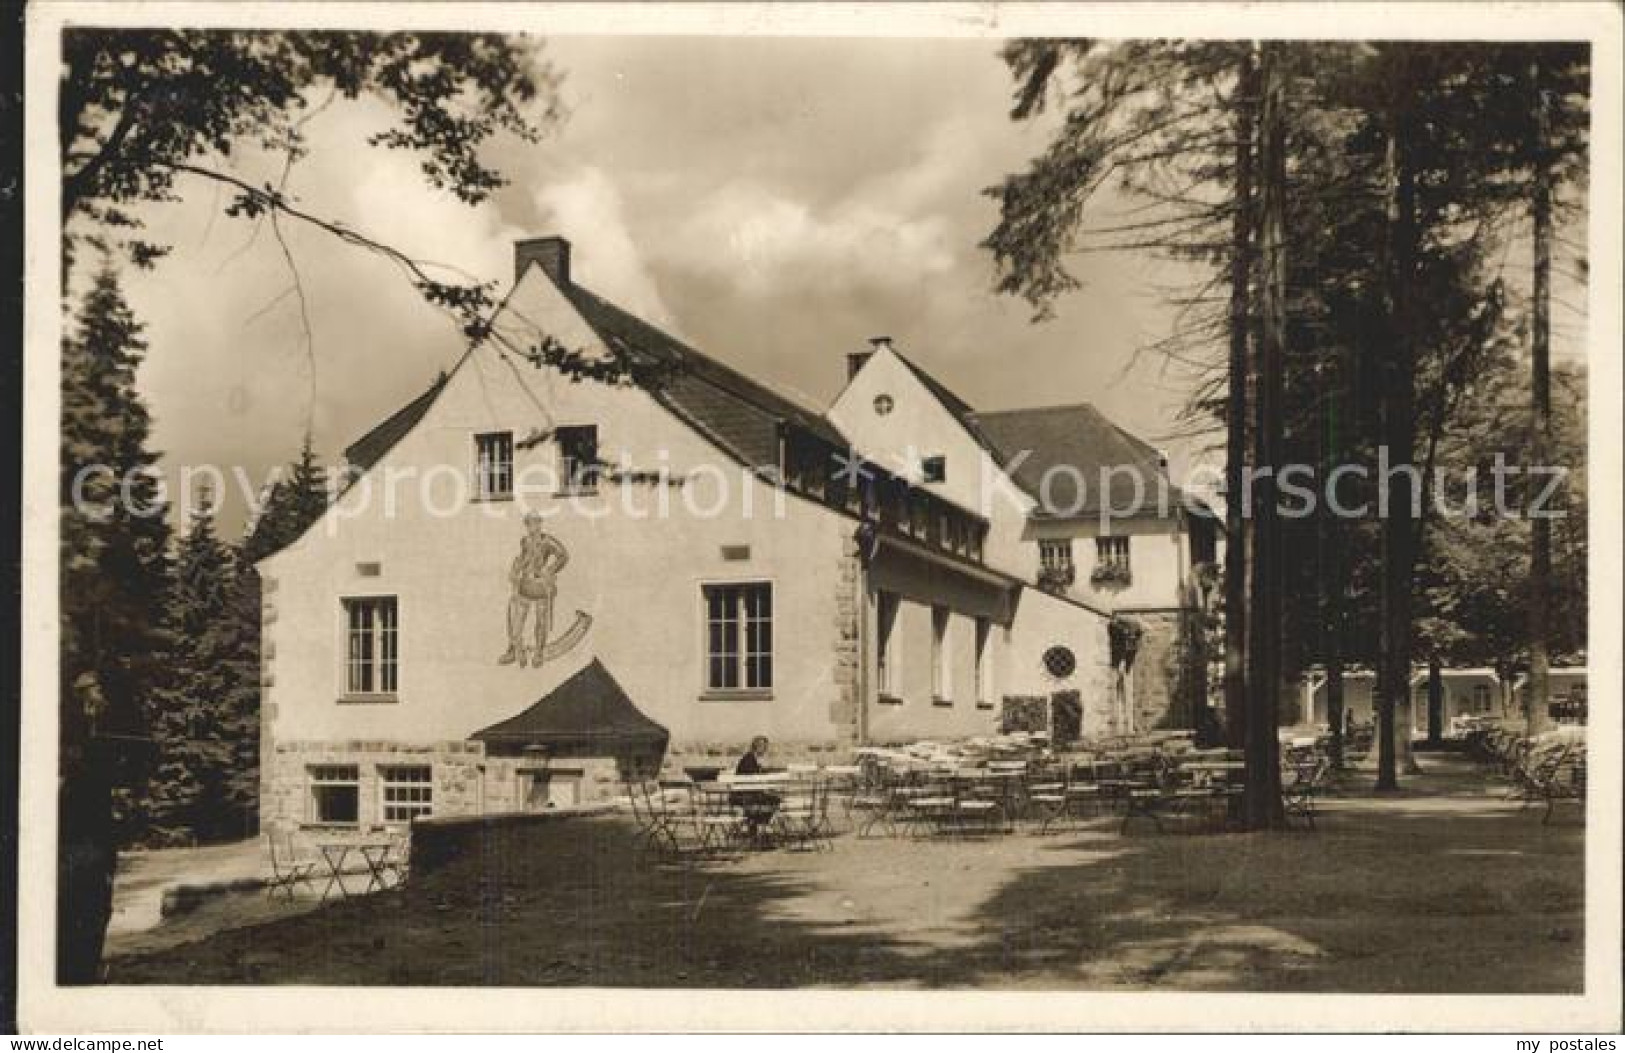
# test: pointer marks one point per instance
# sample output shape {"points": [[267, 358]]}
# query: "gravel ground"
{"points": [[1442, 888]]}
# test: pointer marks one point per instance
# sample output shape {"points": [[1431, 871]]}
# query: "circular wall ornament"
{"points": [[884, 404], [1060, 662]]}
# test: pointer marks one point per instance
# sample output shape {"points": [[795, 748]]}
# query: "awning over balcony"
{"points": [[587, 713]]}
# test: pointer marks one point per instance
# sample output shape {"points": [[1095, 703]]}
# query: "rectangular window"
{"points": [[1481, 698], [934, 469], [739, 637], [493, 465], [407, 792], [372, 655], [1055, 554], [887, 662], [578, 458], [1111, 552], [335, 794], [941, 674], [984, 682]]}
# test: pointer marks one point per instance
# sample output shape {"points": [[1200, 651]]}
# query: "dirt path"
{"points": [[1443, 888]]}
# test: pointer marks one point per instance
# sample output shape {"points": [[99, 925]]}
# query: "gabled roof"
{"points": [[740, 414], [588, 709], [956, 406], [371, 447], [1078, 442]]}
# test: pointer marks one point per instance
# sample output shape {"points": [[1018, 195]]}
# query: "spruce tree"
{"points": [[114, 537], [192, 753]]}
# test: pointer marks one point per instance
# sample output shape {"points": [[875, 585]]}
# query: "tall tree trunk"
{"points": [[1334, 704], [1398, 415], [1435, 701], [1263, 792], [1540, 556], [1241, 269], [86, 859]]}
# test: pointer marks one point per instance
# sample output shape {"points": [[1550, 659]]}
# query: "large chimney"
{"points": [[552, 254]]}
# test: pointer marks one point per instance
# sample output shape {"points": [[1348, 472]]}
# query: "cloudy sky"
{"points": [[774, 202]]}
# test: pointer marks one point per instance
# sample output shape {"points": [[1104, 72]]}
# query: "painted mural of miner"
{"points": [[534, 578]]}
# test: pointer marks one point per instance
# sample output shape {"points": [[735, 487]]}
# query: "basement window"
{"points": [[407, 792], [335, 794]]}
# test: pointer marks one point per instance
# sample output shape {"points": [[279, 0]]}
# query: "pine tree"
{"points": [[115, 538], [294, 501], [192, 752]]}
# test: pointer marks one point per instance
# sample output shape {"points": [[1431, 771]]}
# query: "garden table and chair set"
{"points": [[384, 855], [979, 788], [1545, 769], [729, 814]]}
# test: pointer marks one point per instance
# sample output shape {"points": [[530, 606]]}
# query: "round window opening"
{"points": [[883, 404], [1060, 662]]}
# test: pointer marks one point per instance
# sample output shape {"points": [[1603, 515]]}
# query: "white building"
{"points": [[536, 584], [1468, 692]]}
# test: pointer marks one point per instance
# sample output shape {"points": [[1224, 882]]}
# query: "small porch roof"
{"points": [[588, 709]]}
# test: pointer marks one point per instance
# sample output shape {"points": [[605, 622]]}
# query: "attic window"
{"points": [[934, 469], [883, 404]]}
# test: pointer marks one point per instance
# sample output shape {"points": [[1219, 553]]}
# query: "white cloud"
{"points": [[588, 208], [767, 242]]}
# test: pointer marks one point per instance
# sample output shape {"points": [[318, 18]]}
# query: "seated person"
{"points": [[758, 805]]}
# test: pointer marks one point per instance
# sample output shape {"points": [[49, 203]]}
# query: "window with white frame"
{"points": [[1112, 552], [984, 680], [1055, 555], [739, 636], [941, 674], [578, 458], [372, 650], [888, 661], [406, 791], [335, 794], [493, 465]]}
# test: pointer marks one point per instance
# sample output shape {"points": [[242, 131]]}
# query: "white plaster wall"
{"points": [[1042, 621], [919, 426], [1159, 559], [638, 578]]}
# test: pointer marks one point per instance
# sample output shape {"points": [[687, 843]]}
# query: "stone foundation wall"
{"points": [[285, 802], [599, 779], [1165, 695], [848, 651]]}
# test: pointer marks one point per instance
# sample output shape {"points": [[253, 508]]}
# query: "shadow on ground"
{"points": [[1452, 891]]}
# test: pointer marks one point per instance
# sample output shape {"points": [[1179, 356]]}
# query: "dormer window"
{"points": [[578, 458], [493, 466], [934, 469]]}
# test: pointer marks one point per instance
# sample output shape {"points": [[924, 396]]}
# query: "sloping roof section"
{"points": [[371, 447], [588, 710], [740, 414], [1069, 445], [955, 405]]}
